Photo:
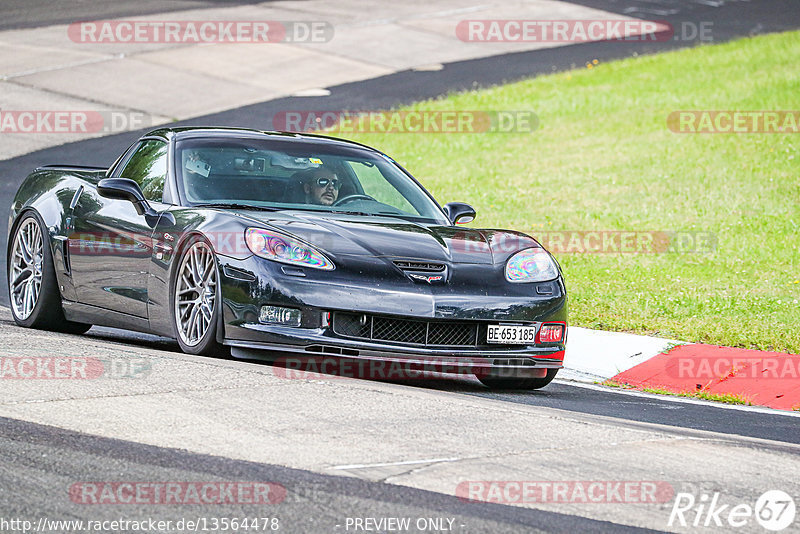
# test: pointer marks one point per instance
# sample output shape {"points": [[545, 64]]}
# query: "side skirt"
{"points": [[84, 313]]}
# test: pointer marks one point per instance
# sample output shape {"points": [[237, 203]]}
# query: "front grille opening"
{"points": [[513, 361], [410, 331], [419, 266], [452, 334]]}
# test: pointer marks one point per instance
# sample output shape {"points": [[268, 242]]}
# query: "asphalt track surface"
{"points": [[18, 14], [37, 457], [49, 460]]}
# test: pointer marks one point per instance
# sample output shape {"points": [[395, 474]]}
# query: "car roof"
{"points": [[190, 132]]}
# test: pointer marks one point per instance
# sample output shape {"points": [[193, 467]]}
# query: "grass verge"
{"points": [[726, 398]]}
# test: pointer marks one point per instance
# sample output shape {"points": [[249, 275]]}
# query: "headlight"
{"points": [[278, 247], [531, 265]]}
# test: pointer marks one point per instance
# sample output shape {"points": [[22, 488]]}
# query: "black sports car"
{"points": [[259, 243]]}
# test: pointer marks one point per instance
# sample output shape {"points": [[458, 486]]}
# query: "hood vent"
{"points": [[419, 266]]}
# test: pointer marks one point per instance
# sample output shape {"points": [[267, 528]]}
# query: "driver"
{"points": [[321, 187]]}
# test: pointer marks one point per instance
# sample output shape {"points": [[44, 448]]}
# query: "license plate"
{"points": [[511, 334]]}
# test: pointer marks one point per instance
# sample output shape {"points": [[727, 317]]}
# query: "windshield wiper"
{"points": [[234, 205], [344, 212]]}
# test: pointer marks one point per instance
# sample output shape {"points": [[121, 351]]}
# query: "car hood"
{"points": [[341, 235]]}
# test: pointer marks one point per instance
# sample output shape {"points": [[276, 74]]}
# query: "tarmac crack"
{"points": [[418, 466]]}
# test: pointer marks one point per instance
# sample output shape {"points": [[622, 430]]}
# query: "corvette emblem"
{"points": [[424, 278]]}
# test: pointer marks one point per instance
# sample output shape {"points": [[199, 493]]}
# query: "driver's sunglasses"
{"points": [[335, 182]]}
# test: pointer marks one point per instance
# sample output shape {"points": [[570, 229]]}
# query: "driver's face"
{"points": [[323, 194]]}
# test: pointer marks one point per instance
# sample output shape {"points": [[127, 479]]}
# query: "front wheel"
{"points": [[32, 284], [196, 302], [495, 382]]}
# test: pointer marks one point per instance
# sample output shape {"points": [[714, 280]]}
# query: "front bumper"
{"points": [[371, 363], [314, 349], [316, 339]]}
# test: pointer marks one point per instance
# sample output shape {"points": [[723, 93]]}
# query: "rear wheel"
{"points": [[195, 299], [495, 382], [32, 284]]}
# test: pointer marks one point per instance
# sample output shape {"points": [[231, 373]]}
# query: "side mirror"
{"points": [[123, 189], [459, 213], [127, 189]]}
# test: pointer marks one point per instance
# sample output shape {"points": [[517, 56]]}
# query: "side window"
{"points": [[148, 168]]}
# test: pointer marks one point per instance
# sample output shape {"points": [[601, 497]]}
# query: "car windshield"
{"points": [[302, 175]]}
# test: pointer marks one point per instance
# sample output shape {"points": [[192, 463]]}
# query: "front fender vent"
{"points": [[238, 274]]}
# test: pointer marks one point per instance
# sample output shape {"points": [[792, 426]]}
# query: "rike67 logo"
{"points": [[774, 510]]}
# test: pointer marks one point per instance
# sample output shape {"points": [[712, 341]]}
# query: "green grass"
{"points": [[603, 159], [615, 384], [726, 398]]}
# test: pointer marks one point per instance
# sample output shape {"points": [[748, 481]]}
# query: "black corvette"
{"points": [[263, 243]]}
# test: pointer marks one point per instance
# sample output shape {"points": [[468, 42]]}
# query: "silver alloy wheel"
{"points": [[25, 269], [195, 293]]}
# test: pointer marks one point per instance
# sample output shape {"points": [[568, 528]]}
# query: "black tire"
{"points": [[47, 313], [496, 382], [207, 344]]}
